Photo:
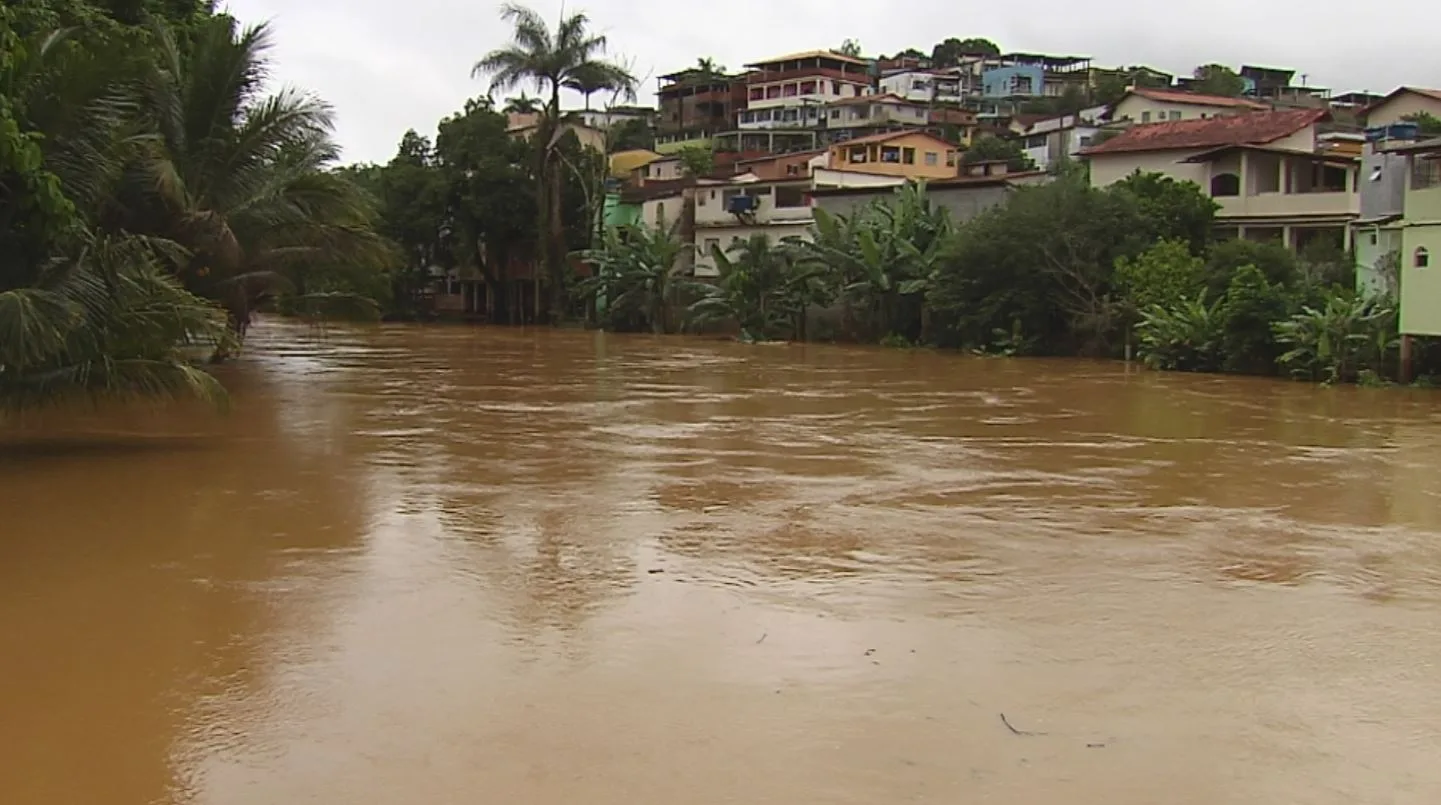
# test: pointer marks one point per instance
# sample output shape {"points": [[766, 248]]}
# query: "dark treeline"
{"points": [[1060, 269]]}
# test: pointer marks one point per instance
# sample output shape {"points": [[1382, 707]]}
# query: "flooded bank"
{"points": [[456, 565]]}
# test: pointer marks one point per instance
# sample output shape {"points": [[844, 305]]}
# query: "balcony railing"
{"points": [[1289, 204]]}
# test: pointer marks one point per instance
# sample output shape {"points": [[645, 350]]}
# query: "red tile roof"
{"points": [[1256, 128], [1196, 98]]}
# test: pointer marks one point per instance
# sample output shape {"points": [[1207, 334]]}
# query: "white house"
{"points": [[1053, 139], [1264, 170], [923, 86], [1146, 105]]}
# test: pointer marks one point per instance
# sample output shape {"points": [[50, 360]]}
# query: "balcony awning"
{"points": [[1339, 160]]}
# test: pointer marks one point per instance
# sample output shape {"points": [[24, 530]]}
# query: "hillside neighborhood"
{"points": [[755, 152]]}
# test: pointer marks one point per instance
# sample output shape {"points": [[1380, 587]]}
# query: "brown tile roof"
{"points": [[887, 137], [811, 54], [1195, 98], [1256, 128]]}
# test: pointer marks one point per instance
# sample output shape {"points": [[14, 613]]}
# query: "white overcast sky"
{"points": [[387, 66]]}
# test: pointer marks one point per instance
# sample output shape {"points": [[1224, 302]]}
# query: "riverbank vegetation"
{"points": [[1060, 269], [153, 194]]}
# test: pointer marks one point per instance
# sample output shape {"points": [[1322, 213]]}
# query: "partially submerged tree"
{"points": [[569, 55]]}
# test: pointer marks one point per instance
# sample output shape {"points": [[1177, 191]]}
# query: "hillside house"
{"points": [[1145, 105], [1263, 169], [1402, 103], [902, 154]]}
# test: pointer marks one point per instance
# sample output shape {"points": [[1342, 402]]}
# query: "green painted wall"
{"points": [[1421, 287], [615, 213], [1372, 244], [1423, 206]]}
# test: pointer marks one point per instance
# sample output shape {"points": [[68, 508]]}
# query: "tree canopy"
{"points": [[1218, 79]]}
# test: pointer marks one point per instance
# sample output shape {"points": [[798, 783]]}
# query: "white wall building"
{"points": [[923, 86]]}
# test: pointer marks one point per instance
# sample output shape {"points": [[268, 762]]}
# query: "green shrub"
{"points": [[1252, 304], [1186, 336]]}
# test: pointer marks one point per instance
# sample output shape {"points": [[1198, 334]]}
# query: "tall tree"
{"points": [[709, 67], [850, 47], [83, 311], [949, 52], [1218, 79], [551, 60], [522, 104], [990, 147], [488, 186], [241, 178]]}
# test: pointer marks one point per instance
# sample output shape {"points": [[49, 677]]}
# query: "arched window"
{"points": [[1423, 257], [1225, 184]]}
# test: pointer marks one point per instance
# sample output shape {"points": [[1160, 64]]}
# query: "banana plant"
{"points": [[637, 272]]}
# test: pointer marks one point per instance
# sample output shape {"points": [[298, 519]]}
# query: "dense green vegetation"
{"points": [[152, 196], [1060, 269]]}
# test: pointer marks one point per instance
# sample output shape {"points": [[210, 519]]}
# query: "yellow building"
{"points": [[625, 163], [908, 154], [1401, 104]]}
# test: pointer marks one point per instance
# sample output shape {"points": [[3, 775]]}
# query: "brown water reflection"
{"points": [[468, 565]]}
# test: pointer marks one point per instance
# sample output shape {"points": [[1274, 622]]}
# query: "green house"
{"points": [[1420, 240]]}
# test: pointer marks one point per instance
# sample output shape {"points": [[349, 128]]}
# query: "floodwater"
{"points": [[469, 565]]}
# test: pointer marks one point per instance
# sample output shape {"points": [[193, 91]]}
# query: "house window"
{"points": [[1175, 115], [1373, 237], [1085, 140], [773, 91], [1425, 173], [791, 90], [789, 115], [857, 154], [835, 114], [835, 87], [1423, 257], [758, 93], [793, 170], [700, 199], [890, 153], [950, 159], [932, 158], [1225, 184], [791, 196], [808, 87], [1145, 117], [711, 244], [908, 156]]}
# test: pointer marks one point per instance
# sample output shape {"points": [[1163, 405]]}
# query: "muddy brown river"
{"points": [[468, 565]]}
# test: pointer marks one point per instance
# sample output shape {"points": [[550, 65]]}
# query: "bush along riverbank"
{"points": [[1131, 270]]}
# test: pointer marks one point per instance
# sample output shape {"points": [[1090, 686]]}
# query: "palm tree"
{"points": [[600, 77], [241, 179], [709, 68], [762, 289], [637, 273], [522, 104], [551, 60], [83, 313]]}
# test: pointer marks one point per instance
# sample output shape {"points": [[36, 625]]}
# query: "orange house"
{"points": [[908, 154]]}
